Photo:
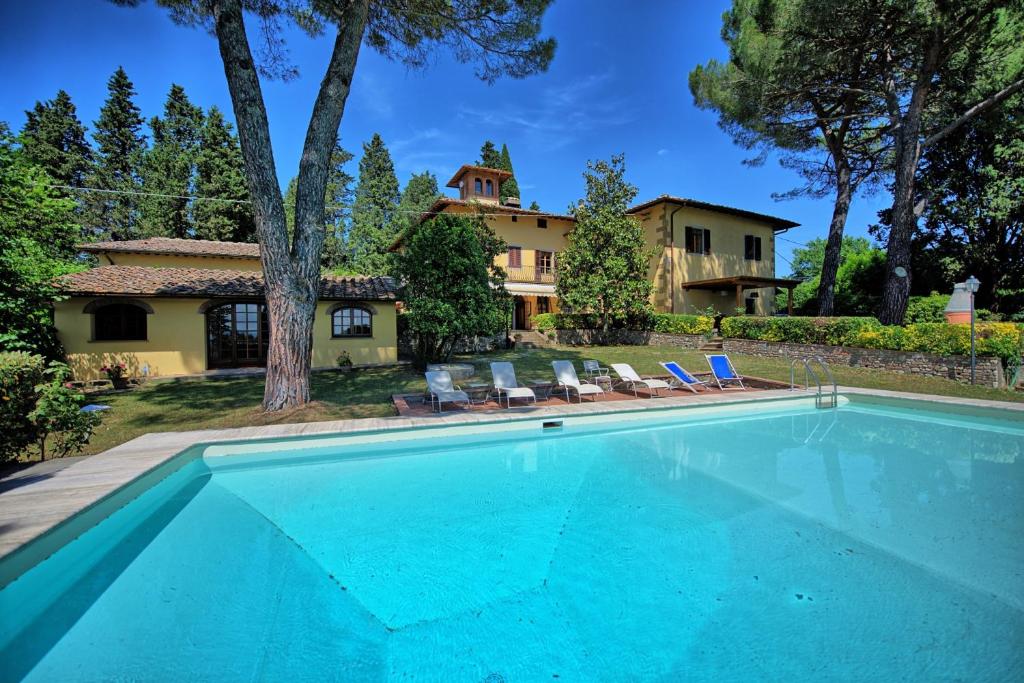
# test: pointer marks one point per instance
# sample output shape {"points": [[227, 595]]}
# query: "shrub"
{"points": [[798, 330], [674, 323], [20, 373], [60, 424], [545, 321], [927, 309]]}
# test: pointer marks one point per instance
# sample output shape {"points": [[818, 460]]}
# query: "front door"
{"points": [[237, 335], [522, 314]]}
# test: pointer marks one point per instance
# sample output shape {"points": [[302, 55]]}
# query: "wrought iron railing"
{"points": [[541, 274]]}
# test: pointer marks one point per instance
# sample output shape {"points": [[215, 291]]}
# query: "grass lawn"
{"points": [[235, 402]]}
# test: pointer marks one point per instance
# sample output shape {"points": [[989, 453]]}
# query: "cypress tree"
{"points": [[220, 174], [168, 167], [54, 140], [509, 188], [337, 204], [419, 194], [373, 211], [119, 147], [490, 157]]}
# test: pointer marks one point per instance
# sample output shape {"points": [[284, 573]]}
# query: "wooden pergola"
{"points": [[741, 283]]}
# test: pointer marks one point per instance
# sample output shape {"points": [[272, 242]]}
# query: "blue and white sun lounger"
{"points": [[682, 378], [722, 369]]}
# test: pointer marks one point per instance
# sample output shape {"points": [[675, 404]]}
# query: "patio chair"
{"points": [[505, 384], [628, 377], [442, 390], [724, 372], [565, 376], [681, 378], [595, 373]]}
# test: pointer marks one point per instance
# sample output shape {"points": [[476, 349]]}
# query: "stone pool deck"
{"points": [[38, 506]]}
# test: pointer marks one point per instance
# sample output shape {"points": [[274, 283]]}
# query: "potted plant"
{"points": [[116, 374], [344, 361]]}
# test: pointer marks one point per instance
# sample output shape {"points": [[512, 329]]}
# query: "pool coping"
{"points": [[43, 508]]}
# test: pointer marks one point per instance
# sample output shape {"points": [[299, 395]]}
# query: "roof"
{"points": [[500, 172], [740, 280], [444, 202], [774, 221], [210, 283], [177, 247]]}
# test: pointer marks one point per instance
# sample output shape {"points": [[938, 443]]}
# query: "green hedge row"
{"points": [[662, 322], [993, 339]]}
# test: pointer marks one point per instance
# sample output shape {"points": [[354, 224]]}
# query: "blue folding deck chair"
{"points": [[722, 369], [682, 378]]}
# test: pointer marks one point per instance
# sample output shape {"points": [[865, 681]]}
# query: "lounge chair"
{"points": [[629, 378], [722, 369], [565, 375], [681, 378], [442, 390], [596, 373], [505, 384]]}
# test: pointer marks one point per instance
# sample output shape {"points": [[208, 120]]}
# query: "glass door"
{"points": [[237, 335]]}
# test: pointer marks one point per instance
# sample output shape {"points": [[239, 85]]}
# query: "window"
{"points": [[478, 186], [351, 322], [515, 218], [490, 188], [545, 262], [515, 257], [752, 248], [543, 306], [542, 222], [119, 322], [698, 240]]}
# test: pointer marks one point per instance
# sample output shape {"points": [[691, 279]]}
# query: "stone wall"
{"points": [[467, 345], [988, 370]]}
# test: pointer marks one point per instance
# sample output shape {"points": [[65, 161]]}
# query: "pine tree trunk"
{"points": [[834, 246]]}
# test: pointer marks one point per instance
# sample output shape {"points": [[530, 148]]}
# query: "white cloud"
{"points": [[662, 152]]}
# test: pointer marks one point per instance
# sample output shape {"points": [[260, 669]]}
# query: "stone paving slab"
{"points": [[42, 505]]}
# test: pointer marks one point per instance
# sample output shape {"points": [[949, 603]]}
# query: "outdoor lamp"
{"points": [[972, 284]]}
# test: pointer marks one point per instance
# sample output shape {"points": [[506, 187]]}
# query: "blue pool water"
{"points": [[872, 542]]}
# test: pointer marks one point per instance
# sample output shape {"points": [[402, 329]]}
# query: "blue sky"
{"points": [[618, 83]]}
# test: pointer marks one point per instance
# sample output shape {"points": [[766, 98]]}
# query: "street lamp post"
{"points": [[971, 285]]}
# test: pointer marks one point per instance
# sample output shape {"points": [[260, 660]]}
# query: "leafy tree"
{"points": [[509, 188], [490, 157], [54, 140], [38, 232], [220, 175], [858, 288], [419, 194], [373, 211], [502, 38], [787, 87], [119, 147], [808, 259], [168, 168], [604, 266], [448, 291], [534, 206]]}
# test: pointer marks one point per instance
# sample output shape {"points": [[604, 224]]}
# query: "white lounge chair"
{"points": [[505, 384], [628, 377], [565, 375], [596, 373], [442, 390], [682, 378], [722, 369]]}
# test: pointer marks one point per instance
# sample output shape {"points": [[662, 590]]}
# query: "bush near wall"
{"points": [[676, 323], [1003, 340], [20, 373], [667, 323]]}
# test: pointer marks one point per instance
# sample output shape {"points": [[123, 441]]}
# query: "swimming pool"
{"points": [[880, 540]]}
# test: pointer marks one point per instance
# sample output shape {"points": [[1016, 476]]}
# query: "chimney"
{"points": [[512, 201]]}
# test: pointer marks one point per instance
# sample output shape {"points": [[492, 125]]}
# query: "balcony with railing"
{"points": [[539, 274]]}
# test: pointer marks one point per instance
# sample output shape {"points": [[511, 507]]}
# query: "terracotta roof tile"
{"points": [[774, 221], [199, 282], [168, 245]]}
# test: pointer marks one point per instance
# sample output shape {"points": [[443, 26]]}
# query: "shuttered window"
{"points": [[515, 257], [698, 240], [752, 248]]}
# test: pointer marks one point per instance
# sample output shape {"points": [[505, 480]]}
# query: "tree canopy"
{"points": [[374, 217], [224, 211], [603, 269], [54, 140]]}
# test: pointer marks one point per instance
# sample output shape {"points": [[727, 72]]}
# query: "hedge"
{"points": [[663, 322], [676, 323], [798, 330], [1003, 340]]}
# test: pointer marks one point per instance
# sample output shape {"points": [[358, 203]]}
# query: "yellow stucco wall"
{"points": [[176, 343], [174, 261]]}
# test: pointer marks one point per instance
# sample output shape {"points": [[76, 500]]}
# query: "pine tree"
{"points": [[534, 206], [419, 194], [337, 204], [220, 174], [509, 188], [54, 139], [119, 147], [490, 157], [168, 167], [373, 211]]}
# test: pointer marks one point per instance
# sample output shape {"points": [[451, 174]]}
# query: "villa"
{"points": [[167, 307], [709, 255]]}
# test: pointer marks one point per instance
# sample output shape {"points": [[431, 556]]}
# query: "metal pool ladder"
{"points": [[821, 399]]}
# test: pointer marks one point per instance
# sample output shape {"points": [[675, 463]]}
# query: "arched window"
{"points": [[351, 322], [478, 186], [119, 322], [490, 188]]}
